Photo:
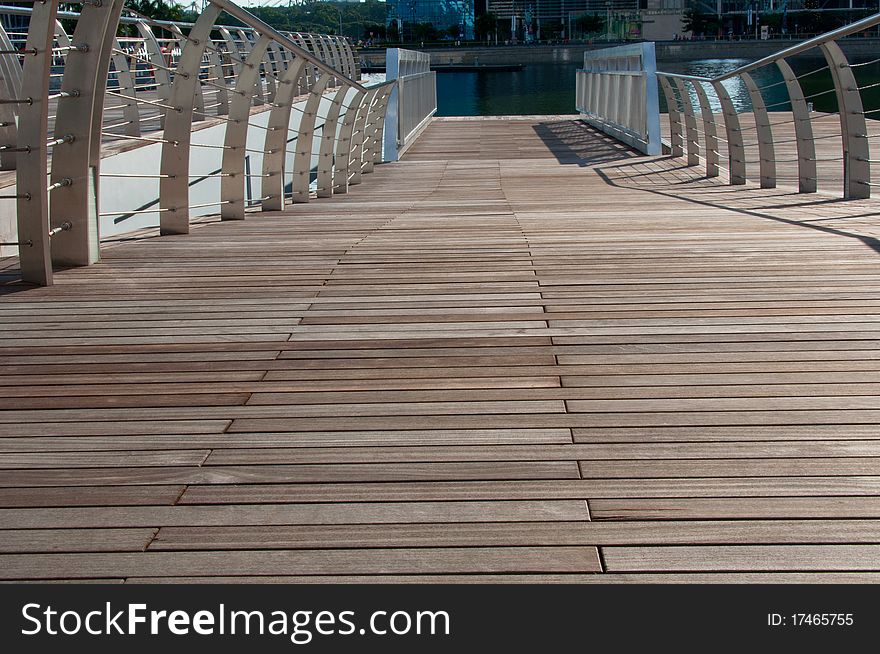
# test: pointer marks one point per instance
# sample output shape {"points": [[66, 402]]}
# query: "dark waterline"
{"points": [[546, 89]]}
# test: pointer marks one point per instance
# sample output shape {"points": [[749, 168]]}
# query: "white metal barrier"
{"points": [[616, 92], [413, 102], [68, 101], [689, 97]]}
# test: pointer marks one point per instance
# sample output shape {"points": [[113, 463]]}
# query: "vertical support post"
{"points": [[392, 72], [157, 58], [358, 138], [276, 136], [736, 155], [10, 87], [373, 137], [199, 113], [343, 144], [328, 138], [652, 100], [79, 116], [803, 130], [711, 135], [764, 132], [126, 83], [235, 57], [302, 160], [232, 187], [676, 137], [853, 130], [218, 72], [690, 123], [174, 185], [33, 208]]}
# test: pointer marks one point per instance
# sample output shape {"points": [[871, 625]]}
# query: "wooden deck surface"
{"points": [[522, 354]]}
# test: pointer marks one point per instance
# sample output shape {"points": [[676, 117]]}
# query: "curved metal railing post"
{"points": [[736, 153], [273, 67], [690, 124], [9, 68], [232, 185], [33, 202], [232, 50], [174, 167], [803, 130], [354, 71], [10, 87], [302, 160], [199, 113], [853, 129], [676, 135], [311, 72], [328, 138], [78, 120], [343, 143], [217, 70], [127, 87], [358, 138], [710, 133], [764, 132], [333, 52], [274, 161], [157, 57], [375, 128]]}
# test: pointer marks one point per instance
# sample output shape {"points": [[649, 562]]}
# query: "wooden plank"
{"points": [[519, 534], [14, 541], [104, 496], [462, 379], [267, 563], [741, 557], [334, 473], [721, 508], [591, 489], [348, 513], [607, 578]]}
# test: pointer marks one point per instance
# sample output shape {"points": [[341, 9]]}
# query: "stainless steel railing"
{"points": [[706, 126], [129, 119], [413, 102], [698, 133], [616, 92]]}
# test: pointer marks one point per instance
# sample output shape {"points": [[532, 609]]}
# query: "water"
{"points": [[545, 89], [541, 89]]}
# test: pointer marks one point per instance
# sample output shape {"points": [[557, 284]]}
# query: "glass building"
{"points": [[442, 14]]}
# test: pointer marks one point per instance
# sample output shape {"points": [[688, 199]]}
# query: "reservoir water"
{"points": [[545, 89]]}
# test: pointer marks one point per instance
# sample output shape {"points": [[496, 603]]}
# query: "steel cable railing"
{"points": [[275, 117], [847, 94]]}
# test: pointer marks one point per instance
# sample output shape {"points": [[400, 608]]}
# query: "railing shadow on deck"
{"points": [[667, 178], [574, 142]]}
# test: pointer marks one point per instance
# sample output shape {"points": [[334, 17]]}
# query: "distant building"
{"points": [[442, 14], [653, 20]]}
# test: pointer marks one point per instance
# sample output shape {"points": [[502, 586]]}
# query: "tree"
{"points": [[485, 24], [157, 9], [376, 31]]}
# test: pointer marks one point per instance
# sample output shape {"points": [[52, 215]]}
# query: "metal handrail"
{"points": [[684, 134], [252, 70]]}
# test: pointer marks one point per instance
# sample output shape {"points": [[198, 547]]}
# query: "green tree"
{"points": [[424, 32]]}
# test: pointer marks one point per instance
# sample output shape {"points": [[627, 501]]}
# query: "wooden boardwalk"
{"points": [[524, 353]]}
